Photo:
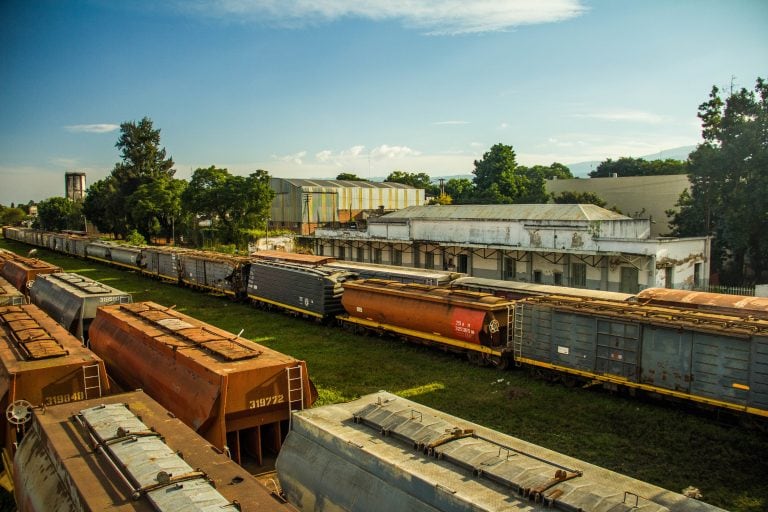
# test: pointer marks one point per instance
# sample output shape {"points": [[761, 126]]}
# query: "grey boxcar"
{"points": [[211, 271]]}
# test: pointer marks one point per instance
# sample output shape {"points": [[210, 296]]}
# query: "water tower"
{"points": [[75, 185]]}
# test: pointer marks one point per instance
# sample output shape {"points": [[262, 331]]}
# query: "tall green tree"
{"points": [[59, 213], [12, 216], [157, 205], [102, 206], [460, 190], [729, 191], [498, 179], [143, 161], [232, 203]]}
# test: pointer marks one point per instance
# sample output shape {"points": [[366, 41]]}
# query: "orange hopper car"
{"points": [[41, 364], [235, 393]]}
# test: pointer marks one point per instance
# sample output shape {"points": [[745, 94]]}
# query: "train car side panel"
{"points": [[758, 384], [666, 358], [720, 367]]}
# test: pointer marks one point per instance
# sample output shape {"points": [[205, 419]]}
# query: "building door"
{"points": [[629, 278], [462, 263]]}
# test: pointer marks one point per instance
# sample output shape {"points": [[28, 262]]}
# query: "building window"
{"points": [[558, 276], [579, 274], [537, 276], [377, 255], [397, 257], [360, 254], [668, 277], [510, 269], [341, 253]]}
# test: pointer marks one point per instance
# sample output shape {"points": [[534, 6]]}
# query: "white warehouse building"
{"points": [[561, 244]]}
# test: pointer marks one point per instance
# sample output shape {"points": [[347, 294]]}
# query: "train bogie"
{"points": [[234, 392], [127, 453]]}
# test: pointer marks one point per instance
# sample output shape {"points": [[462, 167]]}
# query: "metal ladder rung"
{"points": [[87, 378], [295, 386]]}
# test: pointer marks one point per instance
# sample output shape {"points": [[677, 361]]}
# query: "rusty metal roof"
{"points": [[512, 212], [31, 335]]}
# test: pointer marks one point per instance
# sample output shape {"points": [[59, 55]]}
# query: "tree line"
{"points": [[727, 200]]}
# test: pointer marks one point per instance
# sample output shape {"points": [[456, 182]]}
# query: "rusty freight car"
{"points": [[465, 321], [21, 272], [9, 295], [41, 364], [125, 452], [236, 393]]}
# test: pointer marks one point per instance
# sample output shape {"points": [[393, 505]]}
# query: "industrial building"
{"points": [[305, 205], [561, 244], [74, 186], [645, 197]]}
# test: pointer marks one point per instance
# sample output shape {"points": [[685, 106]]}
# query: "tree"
{"points": [[11, 216], [143, 161], [231, 203], [101, 205], [570, 197], [348, 176], [157, 205], [461, 190], [498, 179], [415, 180], [627, 166], [59, 213], [729, 184]]}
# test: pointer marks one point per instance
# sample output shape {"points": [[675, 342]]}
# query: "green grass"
{"points": [[662, 443]]}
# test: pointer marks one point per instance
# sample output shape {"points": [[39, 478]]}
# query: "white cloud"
{"points": [[503, 126], [632, 116], [436, 17], [385, 151], [92, 128], [446, 123], [295, 158]]}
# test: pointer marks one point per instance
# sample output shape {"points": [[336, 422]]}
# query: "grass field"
{"points": [[666, 444]]}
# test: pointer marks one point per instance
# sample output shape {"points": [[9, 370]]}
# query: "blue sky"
{"points": [[315, 88]]}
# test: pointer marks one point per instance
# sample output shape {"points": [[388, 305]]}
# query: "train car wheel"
{"points": [[477, 358], [500, 362]]}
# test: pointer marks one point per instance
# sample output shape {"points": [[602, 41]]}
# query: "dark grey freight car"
{"points": [[162, 262], [72, 300], [715, 360], [313, 291]]}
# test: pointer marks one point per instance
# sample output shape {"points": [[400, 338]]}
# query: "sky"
{"points": [[313, 88]]}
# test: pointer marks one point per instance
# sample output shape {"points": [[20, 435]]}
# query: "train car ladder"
{"points": [[295, 376], [91, 380], [517, 332]]}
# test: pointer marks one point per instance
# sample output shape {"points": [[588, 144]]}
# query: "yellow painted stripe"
{"points": [[422, 335], [740, 386], [286, 306], [662, 391]]}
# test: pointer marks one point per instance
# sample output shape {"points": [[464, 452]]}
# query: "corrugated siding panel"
{"points": [[719, 363], [758, 384], [666, 358]]}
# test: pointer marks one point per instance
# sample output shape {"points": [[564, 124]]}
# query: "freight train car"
{"points": [[21, 272], [470, 322], [162, 263], [41, 364], [127, 453], [72, 300], [314, 291], [737, 305], [515, 290], [221, 273], [235, 393], [703, 357], [396, 454], [9, 295]]}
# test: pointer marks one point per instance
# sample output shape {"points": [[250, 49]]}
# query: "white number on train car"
{"points": [[264, 402]]}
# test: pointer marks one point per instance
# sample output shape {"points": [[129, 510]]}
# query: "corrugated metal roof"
{"points": [[561, 212], [343, 183]]}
